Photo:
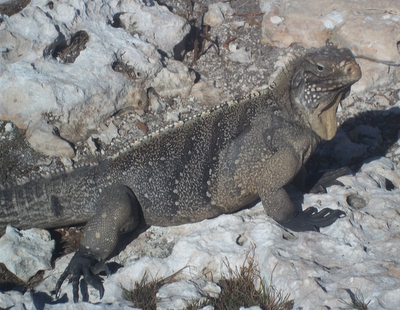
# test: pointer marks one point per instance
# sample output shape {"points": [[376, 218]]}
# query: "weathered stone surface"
{"points": [[240, 55], [175, 80], [188, 290], [216, 12], [26, 252], [208, 94], [152, 23], [364, 27], [110, 72], [108, 134], [267, 5], [42, 138], [359, 252]]}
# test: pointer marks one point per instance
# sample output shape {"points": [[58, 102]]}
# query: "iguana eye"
{"points": [[320, 67]]}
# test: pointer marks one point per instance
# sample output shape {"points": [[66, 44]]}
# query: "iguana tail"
{"points": [[63, 200]]}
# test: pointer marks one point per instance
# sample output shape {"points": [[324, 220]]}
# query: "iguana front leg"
{"points": [[283, 166], [278, 205], [117, 213]]}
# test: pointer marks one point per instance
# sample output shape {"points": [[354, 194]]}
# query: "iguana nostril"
{"points": [[353, 69]]}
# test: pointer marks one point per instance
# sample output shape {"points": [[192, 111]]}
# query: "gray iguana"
{"points": [[217, 162]]}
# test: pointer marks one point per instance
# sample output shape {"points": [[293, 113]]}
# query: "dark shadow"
{"points": [[40, 299], [328, 153], [59, 43], [116, 22]]}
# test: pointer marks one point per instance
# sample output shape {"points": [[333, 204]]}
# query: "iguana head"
{"points": [[322, 79]]}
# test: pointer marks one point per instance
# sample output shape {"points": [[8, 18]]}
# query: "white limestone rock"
{"points": [[240, 55], [8, 127], [41, 137], [26, 252], [216, 13], [358, 252], [152, 23], [189, 290], [370, 33], [34, 81], [108, 134], [208, 93], [174, 80], [267, 5]]}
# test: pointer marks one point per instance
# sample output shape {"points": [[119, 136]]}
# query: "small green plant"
{"points": [[357, 300]]}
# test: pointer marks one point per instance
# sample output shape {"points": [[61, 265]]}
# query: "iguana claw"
{"points": [[80, 266], [312, 220]]}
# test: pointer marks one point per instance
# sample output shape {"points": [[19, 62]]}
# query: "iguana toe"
{"points": [[78, 267], [312, 220]]}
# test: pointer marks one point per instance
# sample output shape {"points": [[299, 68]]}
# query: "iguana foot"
{"points": [[81, 266], [312, 220]]}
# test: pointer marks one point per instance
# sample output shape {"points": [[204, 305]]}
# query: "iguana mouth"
{"points": [[342, 93], [327, 117]]}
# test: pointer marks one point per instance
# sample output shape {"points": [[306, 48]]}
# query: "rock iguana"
{"points": [[217, 162]]}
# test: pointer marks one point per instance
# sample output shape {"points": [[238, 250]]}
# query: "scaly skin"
{"points": [[215, 163]]}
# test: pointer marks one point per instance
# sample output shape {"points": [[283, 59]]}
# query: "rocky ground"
{"points": [[227, 57]]}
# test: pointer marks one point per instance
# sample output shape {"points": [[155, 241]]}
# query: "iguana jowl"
{"points": [[214, 163]]}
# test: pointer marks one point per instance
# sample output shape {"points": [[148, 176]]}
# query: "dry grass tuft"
{"points": [[242, 287]]}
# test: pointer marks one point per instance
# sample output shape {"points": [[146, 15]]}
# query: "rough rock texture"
{"points": [[19, 251], [368, 28], [359, 252], [72, 60], [216, 12], [188, 290]]}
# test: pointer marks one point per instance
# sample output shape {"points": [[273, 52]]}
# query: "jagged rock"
{"points": [[175, 80], [93, 146], [267, 5], [108, 134], [152, 24], [176, 295], [240, 55], [208, 93], [371, 33], [216, 12], [26, 252], [41, 137], [72, 60], [380, 169], [359, 252], [8, 127], [172, 116]]}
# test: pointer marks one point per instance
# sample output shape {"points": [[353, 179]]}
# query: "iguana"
{"points": [[217, 162]]}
